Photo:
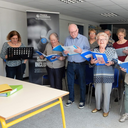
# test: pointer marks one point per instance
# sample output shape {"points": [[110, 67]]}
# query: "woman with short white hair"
{"points": [[103, 74]]}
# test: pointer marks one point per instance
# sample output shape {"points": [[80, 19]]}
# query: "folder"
{"points": [[51, 58], [69, 48], [5, 88], [15, 88], [101, 57], [124, 65]]}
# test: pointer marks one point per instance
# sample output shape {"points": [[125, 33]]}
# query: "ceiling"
{"points": [[88, 10]]}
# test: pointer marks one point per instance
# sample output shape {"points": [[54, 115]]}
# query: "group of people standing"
{"points": [[103, 75]]}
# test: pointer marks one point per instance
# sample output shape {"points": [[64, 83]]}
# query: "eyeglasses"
{"points": [[101, 39], [72, 32], [92, 34]]}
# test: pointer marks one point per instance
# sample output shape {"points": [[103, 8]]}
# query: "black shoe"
{"points": [[81, 105], [116, 100]]}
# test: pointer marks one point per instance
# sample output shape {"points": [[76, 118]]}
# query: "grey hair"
{"points": [[102, 34], [108, 30], [55, 34]]}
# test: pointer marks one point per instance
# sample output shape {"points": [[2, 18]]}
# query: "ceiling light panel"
{"points": [[72, 1], [109, 14]]}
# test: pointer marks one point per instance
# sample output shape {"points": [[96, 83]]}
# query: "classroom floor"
{"points": [[75, 117]]}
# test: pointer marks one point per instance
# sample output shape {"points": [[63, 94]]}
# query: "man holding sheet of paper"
{"points": [[76, 63]]}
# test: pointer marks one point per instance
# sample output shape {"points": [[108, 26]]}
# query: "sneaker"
{"points": [[68, 103], [81, 105], [124, 117]]}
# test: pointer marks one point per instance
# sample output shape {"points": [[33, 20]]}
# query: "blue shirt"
{"points": [[80, 41]]}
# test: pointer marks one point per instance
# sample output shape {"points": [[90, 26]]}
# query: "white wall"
{"points": [[66, 20], [13, 17]]}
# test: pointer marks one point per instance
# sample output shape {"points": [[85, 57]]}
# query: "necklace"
{"points": [[14, 44]]}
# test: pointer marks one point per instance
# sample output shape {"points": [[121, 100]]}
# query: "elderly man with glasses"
{"points": [[76, 63]]}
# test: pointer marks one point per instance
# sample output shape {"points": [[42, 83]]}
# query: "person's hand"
{"points": [[93, 61], [61, 58], [125, 51], [6, 56], [109, 63], [25, 61], [66, 52], [41, 57], [78, 50], [123, 69]]}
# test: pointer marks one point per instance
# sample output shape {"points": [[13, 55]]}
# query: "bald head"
{"points": [[73, 30]]}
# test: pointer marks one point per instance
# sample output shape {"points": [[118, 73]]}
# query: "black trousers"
{"points": [[55, 77], [15, 72]]}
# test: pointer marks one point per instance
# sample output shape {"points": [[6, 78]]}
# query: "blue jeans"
{"points": [[15, 72], [55, 77], [77, 69]]}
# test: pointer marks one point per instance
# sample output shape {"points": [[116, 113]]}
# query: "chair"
{"points": [[116, 82], [122, 101], [89, 80]]}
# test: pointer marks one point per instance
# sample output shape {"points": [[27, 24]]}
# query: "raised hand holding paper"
{"points": [[87, 55], [123, 65], [66, 48], [70, 49]]}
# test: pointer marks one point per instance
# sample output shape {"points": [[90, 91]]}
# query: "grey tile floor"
{"points": [[75, 117]]}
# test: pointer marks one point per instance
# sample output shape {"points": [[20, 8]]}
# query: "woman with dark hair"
{"points": [[13, 67]]}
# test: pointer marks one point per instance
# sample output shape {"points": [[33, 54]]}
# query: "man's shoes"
{"points": [[124, 117], [105, 114], [95, 110], [68, 103], [81, 105], [116, 100]]}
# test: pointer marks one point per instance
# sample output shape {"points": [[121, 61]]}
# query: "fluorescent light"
{"points": [[72, 1], [109, 14]]}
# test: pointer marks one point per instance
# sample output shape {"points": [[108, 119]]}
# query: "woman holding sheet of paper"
{"points": [[103, 74], [121, 47], [55, 69]]}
